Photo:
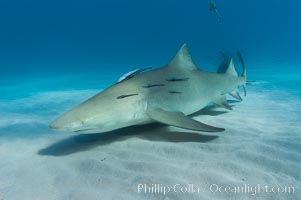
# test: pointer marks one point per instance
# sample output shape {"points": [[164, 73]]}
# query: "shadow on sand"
{"points": [[151, 132]]}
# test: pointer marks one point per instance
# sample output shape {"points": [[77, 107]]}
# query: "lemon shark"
{"points": [[167, 95]]}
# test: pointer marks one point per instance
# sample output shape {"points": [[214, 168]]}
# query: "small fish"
{"points": [[213, 8], [152, 85], [125, 95], [131, 74], [176, 79], [250, 82], [174, 92]]}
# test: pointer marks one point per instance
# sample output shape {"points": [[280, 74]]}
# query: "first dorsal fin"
{"points": [[182, 59]]}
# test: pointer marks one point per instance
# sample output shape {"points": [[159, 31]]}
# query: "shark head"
{"points": [[106, 111], [71, 121]]}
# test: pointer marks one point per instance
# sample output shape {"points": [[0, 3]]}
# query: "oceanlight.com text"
{"points": [[157, 188], [251, 189]]}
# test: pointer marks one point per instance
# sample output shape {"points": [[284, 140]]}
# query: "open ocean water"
{"points": [[56, 54]]}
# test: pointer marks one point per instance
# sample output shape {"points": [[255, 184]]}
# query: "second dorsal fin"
{"points": [[231, 69]]}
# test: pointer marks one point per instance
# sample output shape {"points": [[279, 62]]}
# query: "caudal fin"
{"points": [[244, 72]]}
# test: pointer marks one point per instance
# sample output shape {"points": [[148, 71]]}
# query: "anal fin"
{"points": [[179, 119]]}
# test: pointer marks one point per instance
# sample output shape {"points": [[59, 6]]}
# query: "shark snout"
{"points": [[65, 123], [68, 123], [52, 126], [57, 125]]}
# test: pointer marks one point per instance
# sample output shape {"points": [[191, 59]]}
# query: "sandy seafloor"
{"points": [[261, 145]]}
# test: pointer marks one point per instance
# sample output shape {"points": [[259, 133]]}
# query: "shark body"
{"points": [[173, 92]]}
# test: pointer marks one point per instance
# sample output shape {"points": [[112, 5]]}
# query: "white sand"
{"points": [[261, 145]]}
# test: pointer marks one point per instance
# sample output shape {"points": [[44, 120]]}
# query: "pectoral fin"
{"points": [[178, 119]]}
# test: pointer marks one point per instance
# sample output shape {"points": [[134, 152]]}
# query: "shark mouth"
{"points": [[75, 130], [88, 130]]}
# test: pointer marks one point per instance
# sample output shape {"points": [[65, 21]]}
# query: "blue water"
{"points": [[70, 45], [55, 54], [71, 36], [95, 39]]}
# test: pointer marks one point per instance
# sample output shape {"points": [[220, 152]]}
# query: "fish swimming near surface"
{"points": [[129, 103], [152, 85], [125, 95], [174, 92], [176, 79], [278, 61], [213, 8]]}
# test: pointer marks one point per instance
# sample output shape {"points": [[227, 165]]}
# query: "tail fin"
{"points": [[224, 64], [241, 60], [244, 71]]}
